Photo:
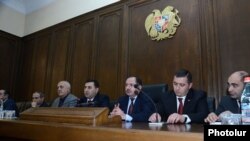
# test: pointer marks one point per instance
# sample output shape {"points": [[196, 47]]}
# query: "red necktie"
{"points": [[131, 106], [180, 109]]}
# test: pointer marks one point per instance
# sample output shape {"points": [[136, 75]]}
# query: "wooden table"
{"points": [[11, 130]]}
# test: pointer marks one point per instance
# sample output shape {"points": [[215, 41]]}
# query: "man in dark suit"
{"points": [[8, 103], [231, 102], [134, 106], [38, 100], [92, 96], [183, 104]]}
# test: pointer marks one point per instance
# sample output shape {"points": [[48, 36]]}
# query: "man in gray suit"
{"points": [[65, 99]]}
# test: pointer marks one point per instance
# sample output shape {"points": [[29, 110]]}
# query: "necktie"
{"points": [[131, 106], [239, 106], [90, 103], [180, 109]]}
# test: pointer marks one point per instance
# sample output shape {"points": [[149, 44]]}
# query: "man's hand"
{"points": [[33, 104], [117, 111], [176, 118], [155, 117], [212, 117]]}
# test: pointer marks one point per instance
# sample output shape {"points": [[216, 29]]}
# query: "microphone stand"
{"points": [[87, 104], [157, 123]]}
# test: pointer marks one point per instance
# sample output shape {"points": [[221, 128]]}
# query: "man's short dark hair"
{"points": [[184, 73], [96, 83], [137, 80], [41, 94], [6, 92]]}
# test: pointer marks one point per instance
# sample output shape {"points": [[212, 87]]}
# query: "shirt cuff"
{"points": [[187, 119], [128, 118]]}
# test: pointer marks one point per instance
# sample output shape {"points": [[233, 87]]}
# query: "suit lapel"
{"points": [[187, 101], [235, 106], [172, 102], [137, 103]]}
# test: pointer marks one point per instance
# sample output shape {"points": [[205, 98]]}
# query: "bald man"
{"points": [[231, 102], [65, 98]]}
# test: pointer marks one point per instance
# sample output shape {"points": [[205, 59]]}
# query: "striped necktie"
{"points": [[131, 106]]}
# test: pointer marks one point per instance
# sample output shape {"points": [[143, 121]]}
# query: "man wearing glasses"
{"points": [[38, 100]]}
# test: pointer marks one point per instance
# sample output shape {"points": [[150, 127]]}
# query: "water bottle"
{"points": [[245, 101], [1, 105], [1, 109]]}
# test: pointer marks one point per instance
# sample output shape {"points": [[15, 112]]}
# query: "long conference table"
{"points": [[27, 129]]}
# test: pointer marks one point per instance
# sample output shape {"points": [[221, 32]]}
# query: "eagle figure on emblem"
{"points": [[162, 25]]}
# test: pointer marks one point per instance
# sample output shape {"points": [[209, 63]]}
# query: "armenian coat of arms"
{"points": [[162, 25]]}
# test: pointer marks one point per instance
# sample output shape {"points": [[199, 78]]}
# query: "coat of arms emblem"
{"points": [[162, 25]]}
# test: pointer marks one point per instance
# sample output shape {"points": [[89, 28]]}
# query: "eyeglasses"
{"points": [[35, 97]]}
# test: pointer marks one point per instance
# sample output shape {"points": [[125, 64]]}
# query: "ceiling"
{"points": [[26, 6]]}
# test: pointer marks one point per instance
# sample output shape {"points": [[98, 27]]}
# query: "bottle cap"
{"points": [[247, 79]]}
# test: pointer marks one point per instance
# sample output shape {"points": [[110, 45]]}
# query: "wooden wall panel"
{"points": [[82, 55], [108, 50], [9, 54], [6, 61], [24, 88], [156, 62], [40, 62], [111, 43], [59, 59], [210, 79], [233, 35]]}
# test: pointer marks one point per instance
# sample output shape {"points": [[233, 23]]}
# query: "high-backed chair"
{"points": [[211, 103], [23, 105], [154, 91]]}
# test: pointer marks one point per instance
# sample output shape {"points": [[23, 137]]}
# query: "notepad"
{"points": [[156, 123]]}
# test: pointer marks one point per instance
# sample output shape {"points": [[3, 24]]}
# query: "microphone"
{"points": [[157, 123], [87, 104]]}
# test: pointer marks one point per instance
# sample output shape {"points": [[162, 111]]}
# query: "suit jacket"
{"points": [[143, 107], [99, 100], [10, 104], [44, 104], [195, 105], [70, 101], [228, 103]]}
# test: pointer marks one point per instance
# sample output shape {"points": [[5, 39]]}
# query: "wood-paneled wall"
{"points": [[9, 58], [111, 43]]}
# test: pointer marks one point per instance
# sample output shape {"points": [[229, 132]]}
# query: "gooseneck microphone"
{"points": [[136, 86]]}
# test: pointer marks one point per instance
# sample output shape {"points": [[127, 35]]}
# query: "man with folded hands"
{"points": [[183, 104]]}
